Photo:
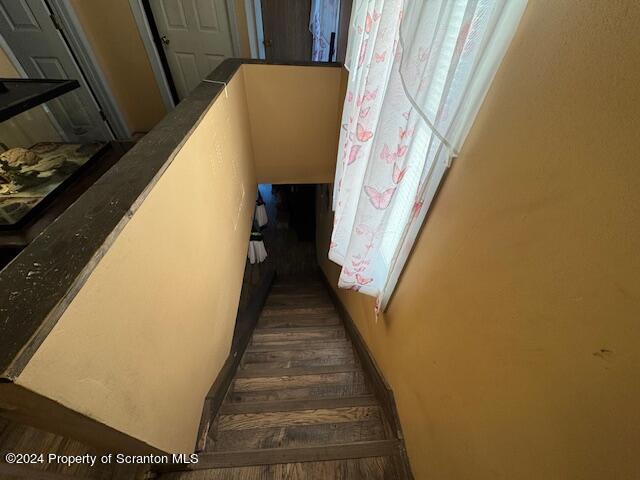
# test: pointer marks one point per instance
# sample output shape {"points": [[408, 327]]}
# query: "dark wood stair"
{"points": [[300, 405]]}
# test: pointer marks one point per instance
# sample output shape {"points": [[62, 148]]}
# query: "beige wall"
{"points": [[114, 37], [7, 70], [142, 342], [293, 121], [512, 341]]}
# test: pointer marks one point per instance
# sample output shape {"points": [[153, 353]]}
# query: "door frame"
{"points": [[253, 9], [148, 32], [156, 56], [73, 36], [74, 40]]}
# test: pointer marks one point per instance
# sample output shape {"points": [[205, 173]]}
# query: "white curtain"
{"points": [[323, 22], [418, 72]]}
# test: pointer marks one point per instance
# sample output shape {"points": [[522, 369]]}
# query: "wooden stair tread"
{"points": [[279, 310], [299, 295], [300, 398], [261, 331], [286, 334], [322, 305], [312, 353], [261, 372], [299, 345], [271, 456], [350, 388], [368, 468], [298, 404], [291, 381], [292, 322], [245, 421], [345, 359], [299, 435]]}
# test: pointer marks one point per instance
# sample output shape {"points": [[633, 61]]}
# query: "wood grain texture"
{"points": [[373, 468], [299, 435], [308, 300], [299, 405], [347, 388], [345, 358], [252, 357], [244, 421], [299, 321], [261, 371], [20, 438], [271, 456], [295, 381], [293, 405], [283, 335], [286, 29], [299, 345], [279, 310]]}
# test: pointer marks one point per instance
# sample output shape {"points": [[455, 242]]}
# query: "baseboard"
{"points": [[381, 387], [246, 321]]}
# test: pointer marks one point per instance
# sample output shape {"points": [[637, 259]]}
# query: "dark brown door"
{"points": [[286, 29]]}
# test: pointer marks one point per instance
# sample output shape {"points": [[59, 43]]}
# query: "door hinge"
{"points": [[56, 22]]}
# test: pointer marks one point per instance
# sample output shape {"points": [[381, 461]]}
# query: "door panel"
{"points": [[19, 16], [173, 14], [34, 40], [206, 15], [198, 35], [286, 29], [187, 68]]}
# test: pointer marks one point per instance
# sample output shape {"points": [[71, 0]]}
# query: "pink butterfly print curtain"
{"points": [[418, 72]]}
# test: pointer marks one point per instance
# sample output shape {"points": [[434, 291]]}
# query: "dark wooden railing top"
{"points": [[39, 284]]}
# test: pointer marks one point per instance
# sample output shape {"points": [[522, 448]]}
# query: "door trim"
{"points": [[142, 22], [82, 53], [159, 71], [253, 9]]}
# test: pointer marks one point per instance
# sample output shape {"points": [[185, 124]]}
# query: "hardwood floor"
{"points": [[18, 438], [300, 405]]}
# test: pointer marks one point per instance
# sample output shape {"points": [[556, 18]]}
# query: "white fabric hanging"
{"points": [[418, 72], [257, 253], [323, 22], [261, 215]]}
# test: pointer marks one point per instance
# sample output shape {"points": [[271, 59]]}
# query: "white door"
{"points": [[196, 36], [34, 40]]}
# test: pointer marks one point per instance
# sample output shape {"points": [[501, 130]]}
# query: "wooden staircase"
{"points": [[300, 405]]}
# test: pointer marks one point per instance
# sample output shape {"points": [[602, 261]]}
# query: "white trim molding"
{"points": [[254, 28], [140, 18]]}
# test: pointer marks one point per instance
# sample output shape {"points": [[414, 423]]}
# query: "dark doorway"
{"points": [[290, 235], [286, 30]]}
